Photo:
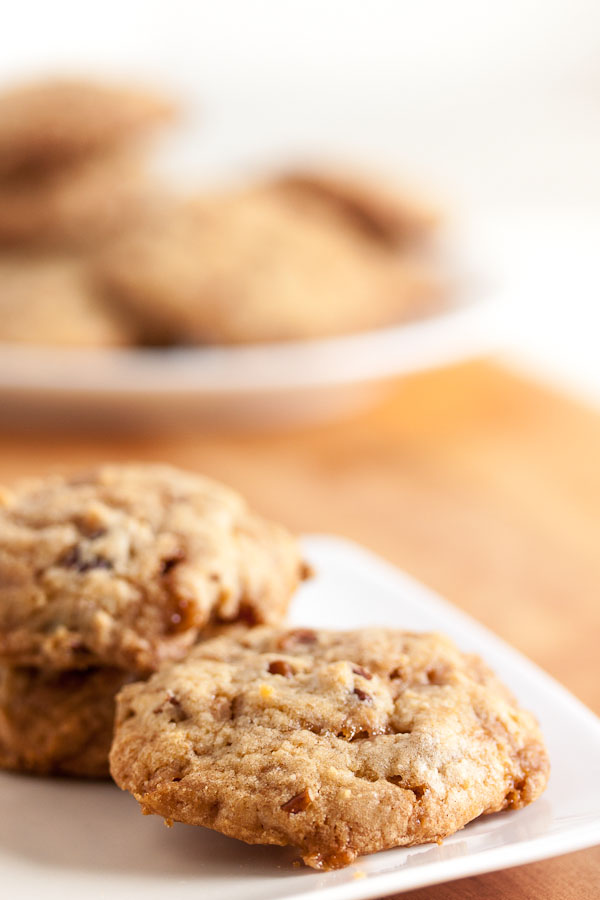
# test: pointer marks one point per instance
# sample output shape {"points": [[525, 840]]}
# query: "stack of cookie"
{"points": [[71, 170], [106, 575], [337, 743], [306, 255], [72, 175]]}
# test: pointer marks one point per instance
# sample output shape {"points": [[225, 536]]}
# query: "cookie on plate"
{"points": [[58, 723], [49, 300], [125, 565], [338, 743], [58, 121], [255, 266]]}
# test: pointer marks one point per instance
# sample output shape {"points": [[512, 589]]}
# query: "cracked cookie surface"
{"points": [[126, 565], [339, 743]]}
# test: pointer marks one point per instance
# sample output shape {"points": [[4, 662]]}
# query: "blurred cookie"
{"points": [[254, 267], [58, 121], [125, 565], [58, 723], [50, 301], [380, 212], [338, 743], [74, 207]]}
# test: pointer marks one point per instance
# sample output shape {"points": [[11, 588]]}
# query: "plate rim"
{"points": [[459, 331]]}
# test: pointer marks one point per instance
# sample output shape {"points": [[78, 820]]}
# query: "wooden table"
{"points": [[481, 484]]}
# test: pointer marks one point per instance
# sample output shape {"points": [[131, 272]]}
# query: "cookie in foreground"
{"points": [[127, 565], [338, 743]]}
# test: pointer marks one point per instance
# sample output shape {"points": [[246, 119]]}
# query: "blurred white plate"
{"points": [[63, 840], [279, 382]]}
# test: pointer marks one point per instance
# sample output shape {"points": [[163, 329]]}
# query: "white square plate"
{"points": [[62, 839]]}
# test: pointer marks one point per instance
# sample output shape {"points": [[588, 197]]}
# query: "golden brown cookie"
{"points": [[125, 565], [253, 267], [58, 121], [49, 300], [338, 743], [58, 723]]}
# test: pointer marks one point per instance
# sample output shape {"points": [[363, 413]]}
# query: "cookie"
{"points": [[59, 121], [338, 743], [125, 566], [75, 207], [58, 723], [379, 212], [252, 267], [50, 301]]}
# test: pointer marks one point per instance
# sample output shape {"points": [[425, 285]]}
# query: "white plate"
{"points": [[63, 840], [254, 384]]}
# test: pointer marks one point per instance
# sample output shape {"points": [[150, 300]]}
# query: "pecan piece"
{"points": [[362, 695], [299, 803], [358, 670], [281, 667]]}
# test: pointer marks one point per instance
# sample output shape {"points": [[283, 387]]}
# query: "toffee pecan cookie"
{"points": [[126, 565], [49, 300], [58, 723], [339, 743], [59, 121], [254, 266]]}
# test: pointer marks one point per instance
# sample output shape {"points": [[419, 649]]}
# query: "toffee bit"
{"points": [[181, 615], [299, 803], [436, 676], [306, 571], [246, 613], [358, 670], [281, 667], [362, 695]]}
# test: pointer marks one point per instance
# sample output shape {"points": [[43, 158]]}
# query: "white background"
{"points": [[495, 107]]}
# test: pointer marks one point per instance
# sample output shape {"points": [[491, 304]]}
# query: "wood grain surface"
{"points": [[481, 484]]}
